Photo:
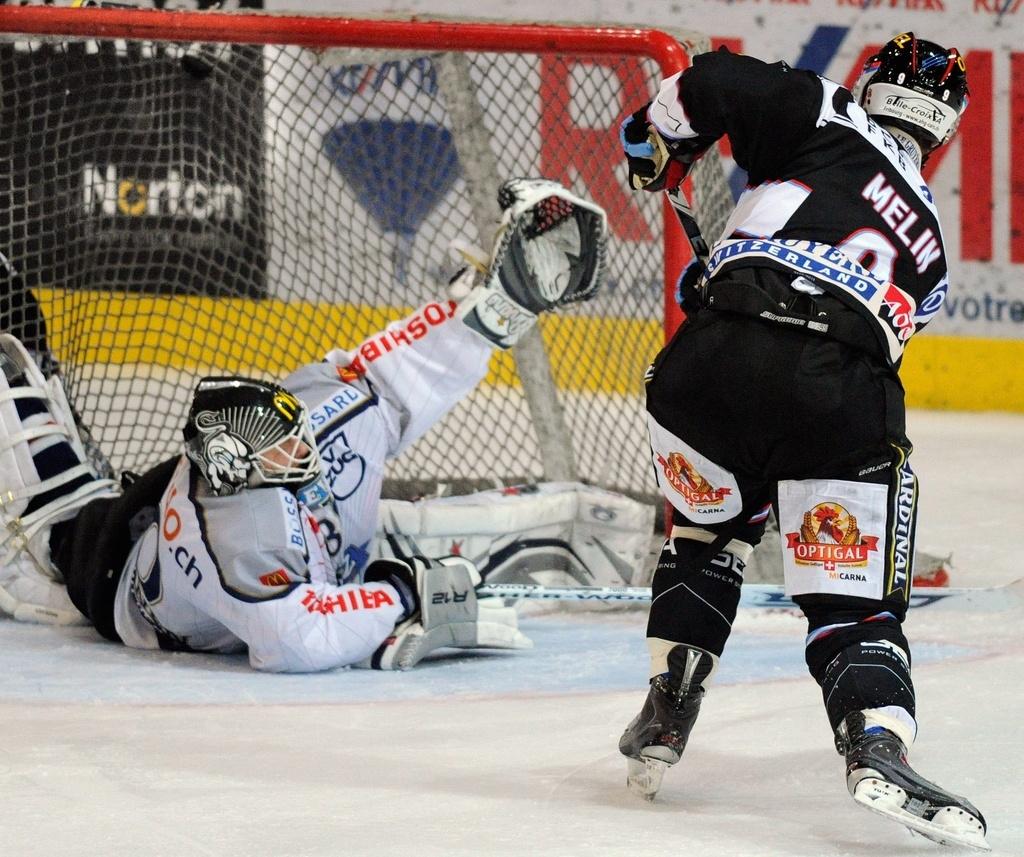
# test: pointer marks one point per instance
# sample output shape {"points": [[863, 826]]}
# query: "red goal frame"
{"points": [[312, 31]]}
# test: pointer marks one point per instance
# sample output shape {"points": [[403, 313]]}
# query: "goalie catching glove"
{"points": [[442, 611], [550, 251]]}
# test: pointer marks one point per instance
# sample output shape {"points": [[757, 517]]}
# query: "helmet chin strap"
{"points": [[909, 144]]}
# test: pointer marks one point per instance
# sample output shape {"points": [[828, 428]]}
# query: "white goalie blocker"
{"points": [[450, 616], [552, 534]]}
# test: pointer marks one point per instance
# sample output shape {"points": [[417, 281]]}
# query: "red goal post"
{"points": [[163, 250]]}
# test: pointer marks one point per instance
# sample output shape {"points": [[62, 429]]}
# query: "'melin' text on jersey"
{"points": [[898, 214]]}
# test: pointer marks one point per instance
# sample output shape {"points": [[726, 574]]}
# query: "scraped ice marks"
{"points": [[398, 170]]}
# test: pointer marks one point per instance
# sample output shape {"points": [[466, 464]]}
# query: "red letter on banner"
{"points": [[592, 152], [975, 142], [1016, 157]]}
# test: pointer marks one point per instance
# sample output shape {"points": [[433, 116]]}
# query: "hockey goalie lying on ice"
{"points": [[256, 537]]}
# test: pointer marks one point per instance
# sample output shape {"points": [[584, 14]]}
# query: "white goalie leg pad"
{"points": [[28, 582], [552, 533], [26, 595], [449, 617], [19, 479]]}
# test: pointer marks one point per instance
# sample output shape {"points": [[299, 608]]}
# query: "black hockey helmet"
{"points": [[916, 85], [244, 433]]}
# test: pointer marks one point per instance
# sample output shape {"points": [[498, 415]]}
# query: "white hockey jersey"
{"points": [[263, 570], [372, 403]]}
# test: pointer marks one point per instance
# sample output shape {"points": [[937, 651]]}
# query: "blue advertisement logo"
{"points": [[398, 170]]}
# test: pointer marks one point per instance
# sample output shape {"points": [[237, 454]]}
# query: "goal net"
{"points": [[189, 193]]}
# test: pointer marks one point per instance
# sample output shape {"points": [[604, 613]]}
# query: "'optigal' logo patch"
{"points": [[684, 477], [830, 537]]}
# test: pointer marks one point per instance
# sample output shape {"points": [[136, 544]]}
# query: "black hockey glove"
{"points": [[654, 162], [651, 165], [688, 295], [401, 574]]}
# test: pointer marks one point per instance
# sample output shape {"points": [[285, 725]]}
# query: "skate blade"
{"points": [[644, 776], [951, 825], [38, 614]]}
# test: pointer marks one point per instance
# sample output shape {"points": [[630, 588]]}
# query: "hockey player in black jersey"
{"points": [[780, 391]]}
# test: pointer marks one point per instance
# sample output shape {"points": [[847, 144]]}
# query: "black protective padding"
{"points": [[90, 550], [695, 593], [865, 675]]}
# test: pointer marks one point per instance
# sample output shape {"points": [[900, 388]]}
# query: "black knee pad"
{"points": [[695, 593], [860, 666], [855, 620]]}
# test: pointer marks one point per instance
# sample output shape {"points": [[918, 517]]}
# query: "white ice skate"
{"points": [[879, 778]]}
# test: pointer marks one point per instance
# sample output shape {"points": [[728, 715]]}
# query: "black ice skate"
{"points": [[880, 779], [657, 736]]}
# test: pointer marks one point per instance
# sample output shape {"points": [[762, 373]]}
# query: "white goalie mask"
{"points": [[243, 433]]}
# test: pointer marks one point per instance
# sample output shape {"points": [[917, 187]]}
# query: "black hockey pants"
{"points": [[761, 406], [90, 550]]}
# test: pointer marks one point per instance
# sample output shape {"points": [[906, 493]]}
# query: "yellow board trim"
{"points": [[963, 373], [944, 372], [200, 332]]}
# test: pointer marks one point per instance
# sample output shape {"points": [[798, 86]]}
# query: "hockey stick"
{"points": [[992, 598], [684, 214], [688, 221], [520, 591]]}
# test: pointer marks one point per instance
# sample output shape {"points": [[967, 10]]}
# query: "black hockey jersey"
{"points": [[832, 196]]}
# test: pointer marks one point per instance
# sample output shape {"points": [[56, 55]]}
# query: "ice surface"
{"points": [[106, 752]]}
